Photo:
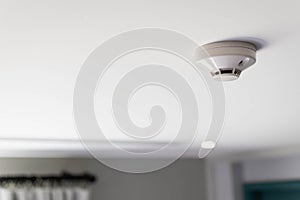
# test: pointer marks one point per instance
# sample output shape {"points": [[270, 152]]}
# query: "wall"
{"points": [[220, 178], [185, 179], [275, 169], [229, 175]]}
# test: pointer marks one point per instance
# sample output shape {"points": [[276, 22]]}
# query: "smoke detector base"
{"points": [[226, 59]]}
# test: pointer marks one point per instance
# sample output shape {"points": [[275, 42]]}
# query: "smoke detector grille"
{"points": [[226, 60]]}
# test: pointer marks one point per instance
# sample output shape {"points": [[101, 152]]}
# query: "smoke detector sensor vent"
{"points": [[226, 60]]}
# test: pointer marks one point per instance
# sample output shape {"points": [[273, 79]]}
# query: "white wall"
{"points": [[185, 179], [224, 181], [220, 180], [230, 175], [227, 175], [275, 169]]}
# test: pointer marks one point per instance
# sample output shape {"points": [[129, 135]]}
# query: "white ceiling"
{"points": [[44, 43]]}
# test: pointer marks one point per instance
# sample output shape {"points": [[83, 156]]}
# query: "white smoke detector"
{"points": [[226, 60]]}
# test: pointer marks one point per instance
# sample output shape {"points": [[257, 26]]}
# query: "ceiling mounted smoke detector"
{"points": [[226, 60]]}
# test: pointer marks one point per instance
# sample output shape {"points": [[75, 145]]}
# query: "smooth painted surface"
{"points": [[220, 180], [184, 179], [275, 169], [43, 45]]}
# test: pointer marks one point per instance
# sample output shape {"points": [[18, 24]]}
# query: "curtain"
{"points": [[44, 193]]}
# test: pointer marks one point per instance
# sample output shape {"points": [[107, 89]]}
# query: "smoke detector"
{"points": [[226, 60]]}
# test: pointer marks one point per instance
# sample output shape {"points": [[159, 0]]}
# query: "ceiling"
{"points": [[44, 43]]}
